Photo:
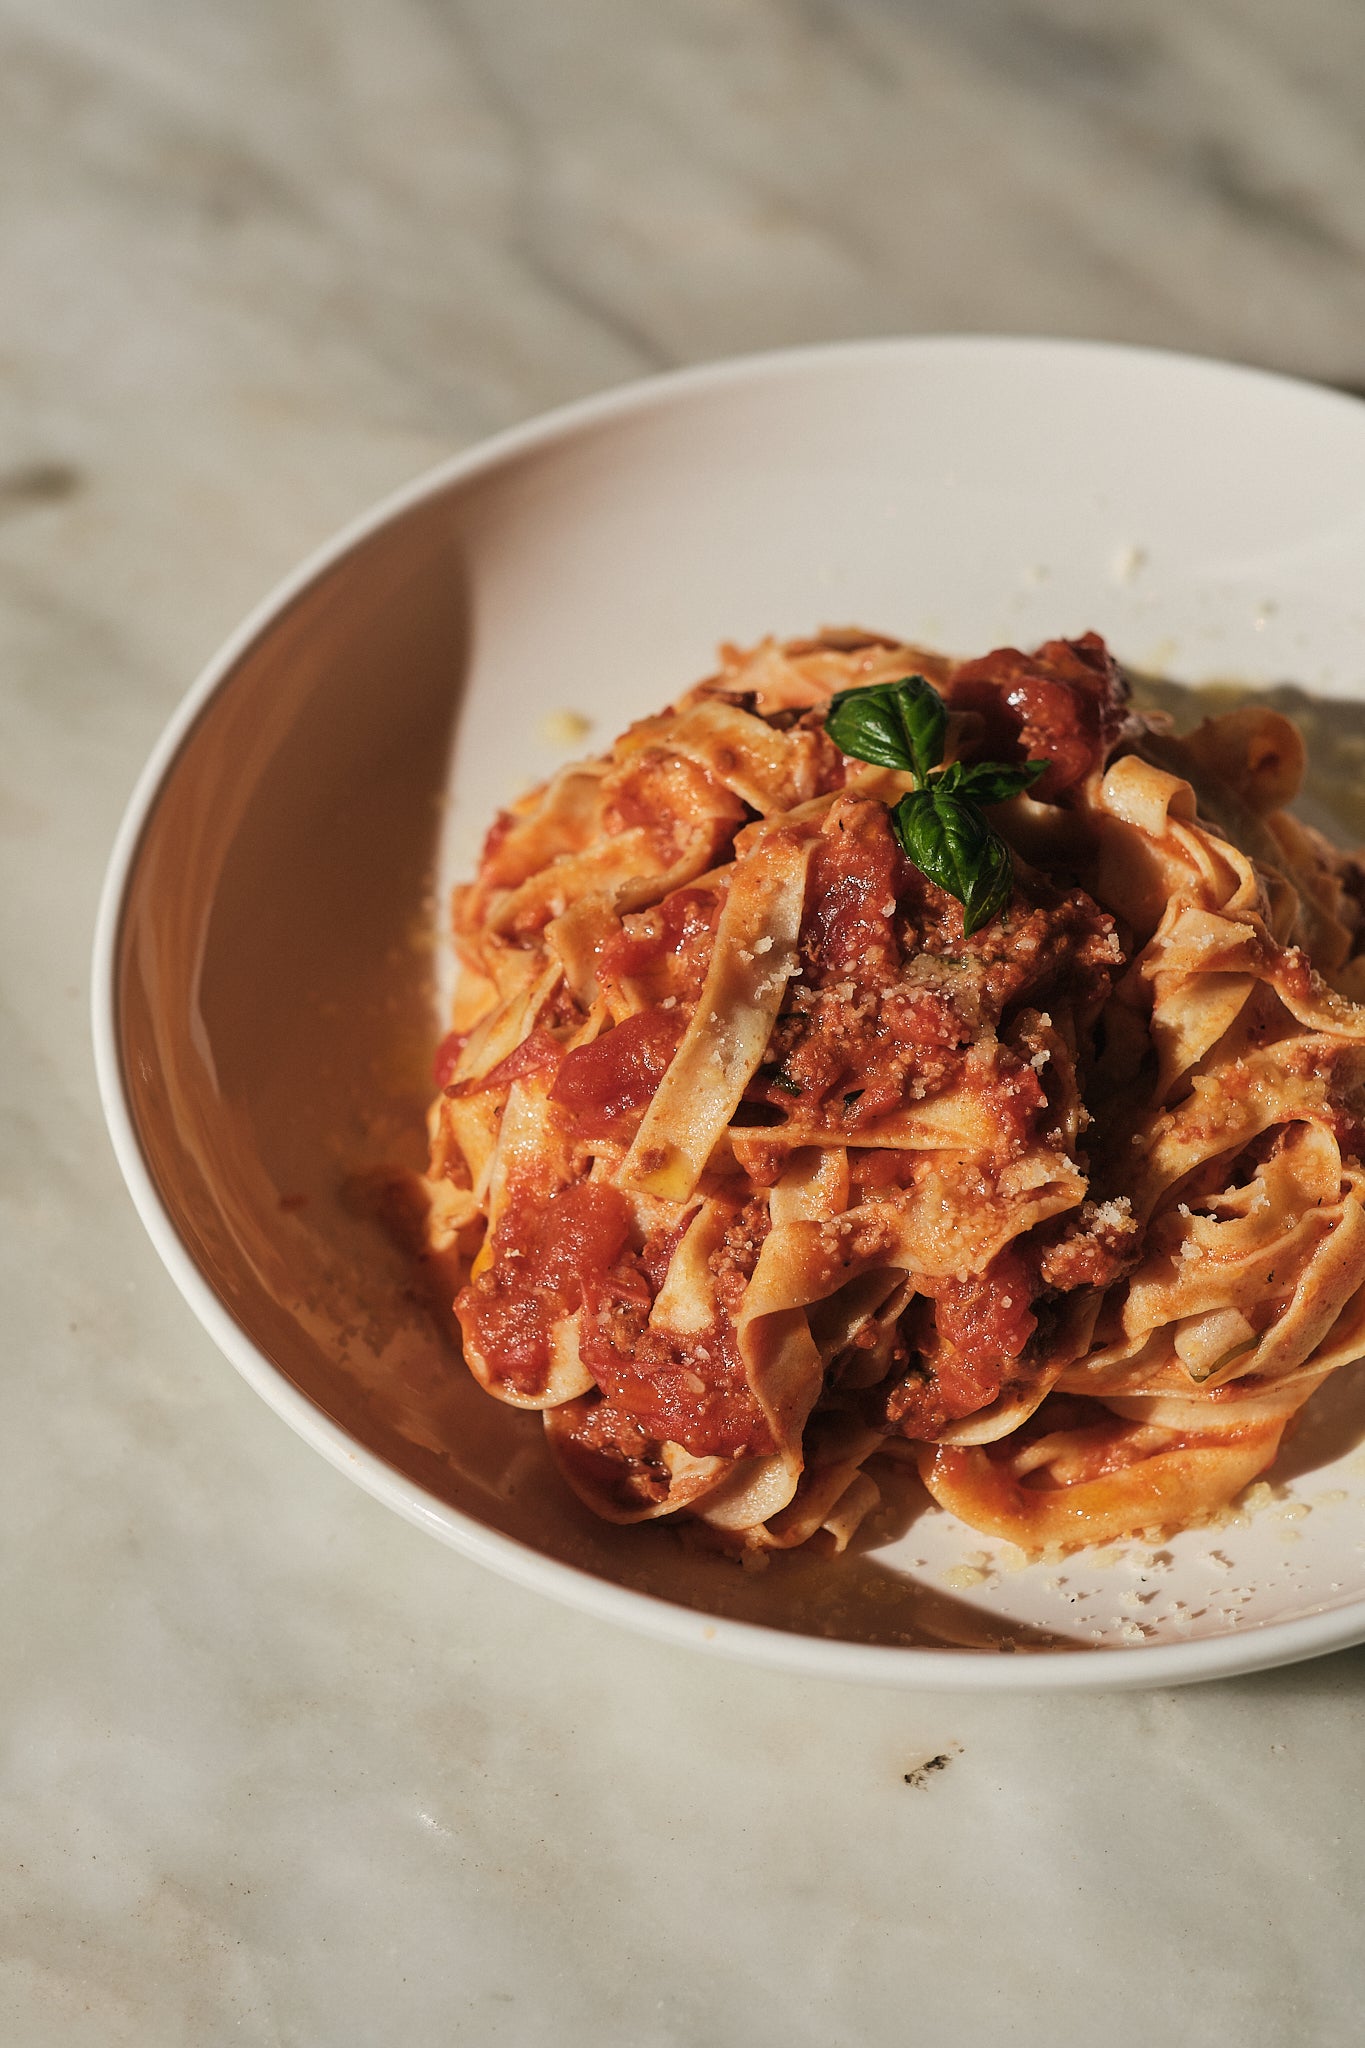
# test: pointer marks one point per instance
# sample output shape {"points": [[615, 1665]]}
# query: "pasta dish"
{"points": [[884, 1058]]}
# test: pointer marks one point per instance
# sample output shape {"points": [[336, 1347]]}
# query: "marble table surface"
{"points": [[274, 1767]]}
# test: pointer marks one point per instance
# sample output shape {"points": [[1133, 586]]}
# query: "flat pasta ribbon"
{"points": [[761, 1176]]}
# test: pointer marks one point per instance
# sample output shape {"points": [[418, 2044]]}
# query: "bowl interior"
{"points": [[276, 981]]}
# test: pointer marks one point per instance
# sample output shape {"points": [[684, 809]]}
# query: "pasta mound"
{"points": [[753, 1171]]}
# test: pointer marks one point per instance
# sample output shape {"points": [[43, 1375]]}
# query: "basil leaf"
{"points": [[948, 838], [989, 782], [893, 725]]}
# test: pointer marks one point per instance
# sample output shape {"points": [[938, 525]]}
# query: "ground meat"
{"points": [[549, 1249], [686, 1387], [734, 1259], [611, 1453], [891, 994], [675, 1386]]}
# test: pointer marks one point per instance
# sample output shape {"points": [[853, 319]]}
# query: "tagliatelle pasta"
{"points": [[756, 1168]]}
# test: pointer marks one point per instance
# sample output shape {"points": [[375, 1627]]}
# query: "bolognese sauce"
{"points": [[1013, 1090]]}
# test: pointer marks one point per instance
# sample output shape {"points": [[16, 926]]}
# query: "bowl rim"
{"points": [[1234, 1652]]}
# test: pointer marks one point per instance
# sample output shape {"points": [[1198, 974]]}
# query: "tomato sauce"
{"points": [[969, 1334], [852, 1034], [892, 994], [607, 1085], [546, 1250], [668, 948], [669, 798], [857, 872], [539, 1053], [1093, 1442], [684, 1387], [680, 1386], [1063, 705], [571, 1250], [985, 1320]]}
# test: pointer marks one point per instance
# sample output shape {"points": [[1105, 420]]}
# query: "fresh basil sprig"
{"points": [[948, 837], [987, 782], [941, 823], [893, 725]]}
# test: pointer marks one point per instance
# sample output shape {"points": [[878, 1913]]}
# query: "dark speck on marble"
{"points": [[40, 482]]}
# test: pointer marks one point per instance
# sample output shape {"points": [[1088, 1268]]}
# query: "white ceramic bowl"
{"points": [[265, 993]]}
